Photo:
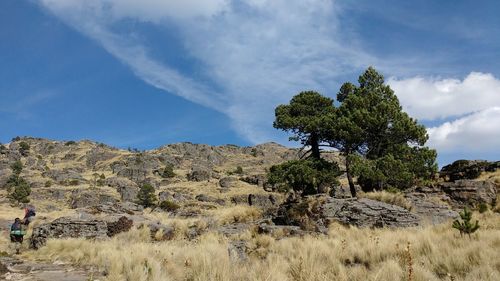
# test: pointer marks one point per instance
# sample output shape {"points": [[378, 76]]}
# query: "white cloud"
{"points": [[476, 133], [258, 53], [144, 10], [430, 99], [473, 105]]}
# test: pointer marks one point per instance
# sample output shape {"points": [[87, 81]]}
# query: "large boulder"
{"points": [[430, 208], [259, 180], [367, 213], [469, 192], [67, 227], [210, 199], [467, 169], [199, 174], [228, 182], [128, 189]]}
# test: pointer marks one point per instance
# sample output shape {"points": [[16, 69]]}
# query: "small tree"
{"points": [[146, 196], [24, 148], [18, 187], [168, 172], [21, 192], [465, 226]]}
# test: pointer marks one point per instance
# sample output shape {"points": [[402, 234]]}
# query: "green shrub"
{"points": [[465, 226], [483, 207], [146, 196], [68, 143], [169, 206], [303, 176], [24, 148], [17, 167], [48, 184], [21, 192], [168, 172]]}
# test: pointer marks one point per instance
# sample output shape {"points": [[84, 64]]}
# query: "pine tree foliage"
{"points": [[466, 226], [146, 196]]}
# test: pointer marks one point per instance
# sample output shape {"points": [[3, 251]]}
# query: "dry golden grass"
{"points": [[493, 176], [236, 214], [496, 208], [347, 253], [387, 197]]}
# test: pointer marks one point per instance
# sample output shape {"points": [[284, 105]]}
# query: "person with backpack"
{"points": [[29, 215], [17, 233]]}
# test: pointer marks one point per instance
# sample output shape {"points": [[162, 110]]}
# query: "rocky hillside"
{"points": [[89, 190]]}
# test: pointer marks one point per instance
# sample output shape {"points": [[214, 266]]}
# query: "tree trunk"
{"points": [[314, 142], [349, 176]]}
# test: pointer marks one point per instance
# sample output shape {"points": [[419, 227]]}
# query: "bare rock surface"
{"points": [[367, 213], [469, 192], [67, 227], [19, 270], [430, 209]]}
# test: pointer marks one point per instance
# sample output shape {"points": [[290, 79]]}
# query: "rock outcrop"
{"points": [[469, 192], [228, 182], [367, 213], [430, 209], [199, 174], [67, 227], [467, 169]]}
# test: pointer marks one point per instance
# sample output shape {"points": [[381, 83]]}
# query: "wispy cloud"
{"points": [[258, 53], [21, 107]]}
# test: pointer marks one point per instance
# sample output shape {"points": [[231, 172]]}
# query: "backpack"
{"points": [[31, 212]]}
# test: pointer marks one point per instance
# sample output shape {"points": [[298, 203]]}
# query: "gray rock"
{"points": [[128, 189], [167, 232], [228, 182], [259, 200], [210, 199], [467, 169], [280, 230], [237, 251], [259, 180], [65, 175], [84, 198], [67, 227], [98, 154], [469, 192], [429, 209], [199, 174], [343, 191], [367, 213]]}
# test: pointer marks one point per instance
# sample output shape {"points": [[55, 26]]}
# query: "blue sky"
{"points": [[146, 73]]}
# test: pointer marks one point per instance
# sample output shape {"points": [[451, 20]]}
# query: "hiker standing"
{"points": [[17, 234]]}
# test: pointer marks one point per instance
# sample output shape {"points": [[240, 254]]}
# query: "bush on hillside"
{"points": [[146, 196], [303, 176]]}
